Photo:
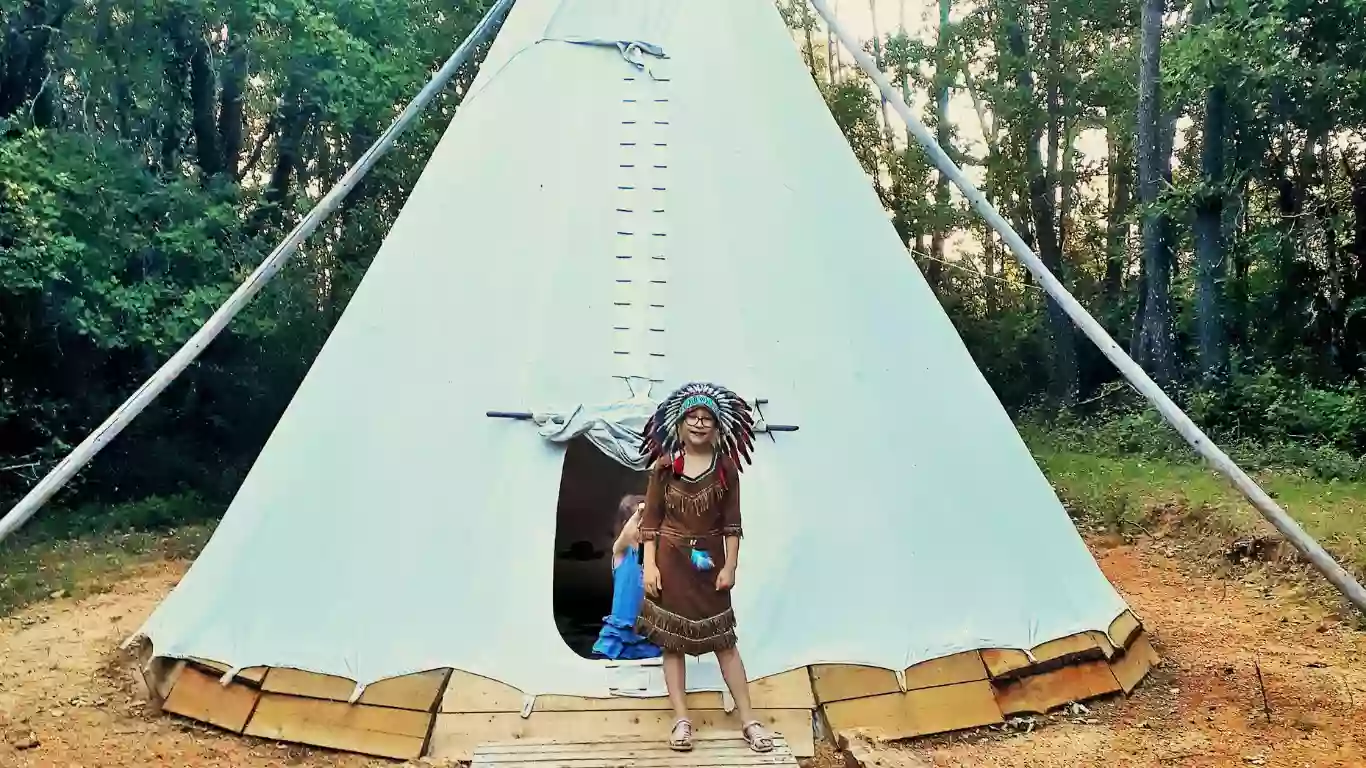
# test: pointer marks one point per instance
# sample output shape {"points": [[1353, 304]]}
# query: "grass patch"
{"points": [[37, 570], [1126, 492], [82, 549]]}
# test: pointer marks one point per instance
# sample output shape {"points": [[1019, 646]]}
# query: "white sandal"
{"points": [[683, 742], [760, 743]]}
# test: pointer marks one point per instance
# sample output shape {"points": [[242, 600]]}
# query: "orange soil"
{"points": [[1203, 706], [66, 701]]}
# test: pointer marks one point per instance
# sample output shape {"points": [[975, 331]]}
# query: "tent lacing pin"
{"points": [[901, 679], [528, 704], [227, 677], [355, 694]]}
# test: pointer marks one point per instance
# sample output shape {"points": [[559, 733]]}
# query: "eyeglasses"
{"points": [[699, 421]]}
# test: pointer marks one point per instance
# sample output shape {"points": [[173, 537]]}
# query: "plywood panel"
{"points": [[1004, 661], [916, 713], [729, 750], [1010, 663], [1041, 693], [472, 693], [199, 696], [787, 690], [456, 735], [162, 675], [369, 730], [416, 692], [948, 670], [1134, 665], [1125, 628], [839, 682], [251, 675], [1084, 646], [296, 682]]}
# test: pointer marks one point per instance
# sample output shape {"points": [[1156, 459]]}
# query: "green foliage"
{"points": [[151, 515], [34, 571], [1264, 421], [1127, 495], [117, 258]]}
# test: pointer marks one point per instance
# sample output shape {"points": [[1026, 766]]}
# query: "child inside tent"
{"points": [[618, 638]]}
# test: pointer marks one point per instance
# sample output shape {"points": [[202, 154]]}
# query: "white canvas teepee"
{"points": [[649, 189]]}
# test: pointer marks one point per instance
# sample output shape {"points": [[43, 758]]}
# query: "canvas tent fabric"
{"points": [[585, 221]]}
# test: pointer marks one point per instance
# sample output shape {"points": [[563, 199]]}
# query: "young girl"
{"points": [[618, 638], [691, 527]]}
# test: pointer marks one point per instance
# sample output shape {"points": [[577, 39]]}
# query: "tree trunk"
{"points": [[292, 120], [1354, 281], [1337, 346], [1354, 267], [1118, 229], [232, 107], [941, 114], [1064, 381], [1053, 100], [1243, 156], [882, 66], [906, 76], [833, 47], [1156, 347], [1210, 267], [807, 23], [203, 103], [1067, 182], [1288, 296], [175, 61]]}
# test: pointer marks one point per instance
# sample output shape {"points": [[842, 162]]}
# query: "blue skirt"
{"points": [[618, 638]]}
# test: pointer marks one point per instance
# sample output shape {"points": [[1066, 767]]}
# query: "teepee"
{"points": [[636, 193]]}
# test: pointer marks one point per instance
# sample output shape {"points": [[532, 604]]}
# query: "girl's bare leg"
{"points": [[676, 681], [733, 671]]}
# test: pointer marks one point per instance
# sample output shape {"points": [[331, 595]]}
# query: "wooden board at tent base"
{"points": [[978, 688], [457, 736], [200, 696], [919, 712], [450, 714], [718, 749]]}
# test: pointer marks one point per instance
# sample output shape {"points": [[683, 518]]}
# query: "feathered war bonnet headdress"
{"points": [[733, 422]]}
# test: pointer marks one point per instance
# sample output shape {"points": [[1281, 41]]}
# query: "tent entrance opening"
{"points": [[591, 485]]}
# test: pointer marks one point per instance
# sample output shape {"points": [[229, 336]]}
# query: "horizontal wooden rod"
{"points": [[525, 416]]}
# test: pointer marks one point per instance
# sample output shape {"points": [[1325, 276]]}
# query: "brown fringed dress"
{"points": [[681, 514]]}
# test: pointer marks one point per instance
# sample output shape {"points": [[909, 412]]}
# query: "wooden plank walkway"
{"points": [[717, 749]]}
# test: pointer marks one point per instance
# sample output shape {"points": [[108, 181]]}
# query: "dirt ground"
{"points": [[1253, 673]]}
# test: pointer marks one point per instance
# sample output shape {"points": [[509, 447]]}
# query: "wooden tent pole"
{"points": [[1312, 551], [172, 368]]}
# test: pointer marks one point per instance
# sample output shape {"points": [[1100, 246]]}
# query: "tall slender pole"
{"points": [[1312, 551], [172, 368]]}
